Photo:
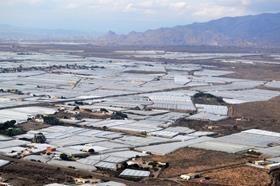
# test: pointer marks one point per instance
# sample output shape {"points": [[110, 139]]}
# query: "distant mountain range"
{"points": [[14, 33], [245, 31]]}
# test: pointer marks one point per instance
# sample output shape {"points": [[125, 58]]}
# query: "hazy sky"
{"points": [[124, 15]]}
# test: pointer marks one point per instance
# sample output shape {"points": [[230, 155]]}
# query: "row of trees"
{"points": [[9, 128]]}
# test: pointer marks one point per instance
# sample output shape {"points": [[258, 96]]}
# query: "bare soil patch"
{"points": [[256, 72], [190, 160], [32, 125], [256, 115], [243, 175], [21, 173]]}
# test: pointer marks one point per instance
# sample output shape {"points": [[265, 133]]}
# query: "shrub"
{"points": [[51, 120]]}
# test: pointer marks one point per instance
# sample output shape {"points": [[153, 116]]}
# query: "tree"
{"points": [[39, 138], [51, 120], [13, 131], [118, 115], [66, 157], [8, 124]]}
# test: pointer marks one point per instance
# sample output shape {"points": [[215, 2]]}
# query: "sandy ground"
{"points": [[216, 168], [260, 115], [27, 173], [32, 125], [242, 175], [256, 72], [188, 160]]}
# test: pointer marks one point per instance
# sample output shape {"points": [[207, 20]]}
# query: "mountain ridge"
{"points": [[261, 31], [244, 31]]}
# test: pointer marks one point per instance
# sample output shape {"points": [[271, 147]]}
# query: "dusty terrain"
{"points": [[258, 110], [21, 173], [216, 168], [242, 175], [260, 115], [256, 72], [189, 160], [27, 173], [32, 125]]}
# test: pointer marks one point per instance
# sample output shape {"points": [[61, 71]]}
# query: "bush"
{"points": [[8, 124], [104, 110], [118, 115], [65, 157], [51, 120], [13, 131]]}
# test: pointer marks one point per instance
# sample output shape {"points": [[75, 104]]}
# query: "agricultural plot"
{"points": [[100, 114]]}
